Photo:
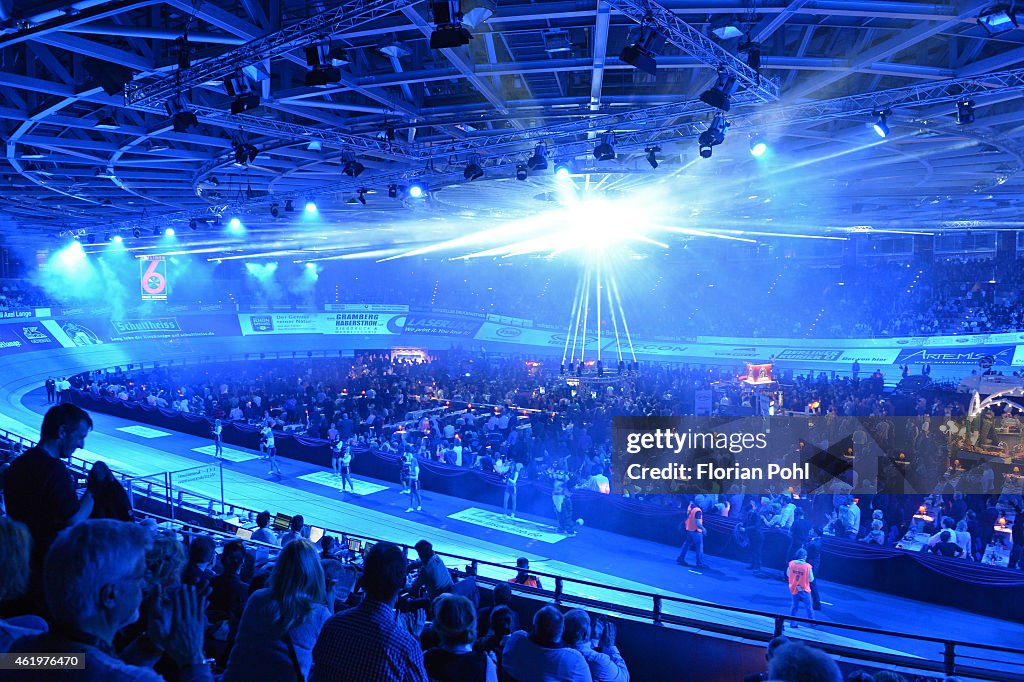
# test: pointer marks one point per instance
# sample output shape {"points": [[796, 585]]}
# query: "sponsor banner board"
{"points": [[153, 278], [810, 354], [489, 331], [434, 324], [93, 331], [890, 342], [253, 324], [25, 337], [1001, 356], [869, 356], [365, 308]]}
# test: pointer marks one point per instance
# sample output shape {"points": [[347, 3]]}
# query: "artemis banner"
{"points": [[153, 278]]}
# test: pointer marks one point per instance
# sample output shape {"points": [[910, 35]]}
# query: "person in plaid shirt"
{"points": [[370, 642]]}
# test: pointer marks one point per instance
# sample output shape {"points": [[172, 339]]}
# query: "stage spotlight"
{"points": [[605, 150], [726, 26], [361, 196], [521, 172], [713, 136], [651, 155], [392, 191], [539, 160], [998, 19], [245, 153], [118, 239], [881, 125], [757, 146], [136, 232], [719, 95], [289, 206], [322, 69], [562, 171], [643, 54], [244, 98], [181, 118], [473, 171], [417, 190], [169, 232], [275, 210], [448, 29], [234, 224], [310, 206], [353, 168], [193, 224], [965, 112], [310, 266]]}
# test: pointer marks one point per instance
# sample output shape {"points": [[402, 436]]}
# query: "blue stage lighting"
{"points": [[118, 239], [757, 146], [310, 206], [562, 171], [169, 232], [881, 126], [417, 190]]}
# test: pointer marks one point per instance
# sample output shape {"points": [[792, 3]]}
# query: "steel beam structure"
{"points": [[698, 45], [301, 33]]}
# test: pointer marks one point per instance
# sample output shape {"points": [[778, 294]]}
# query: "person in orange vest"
{"points": [[524, 577], [800, 575], [694, 526]]}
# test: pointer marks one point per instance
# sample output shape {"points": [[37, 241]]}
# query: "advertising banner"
{"points": [[316, 323], [365, 308], [153, 278], [489, 331], [1001, 356], [25, 337], [434, 324], [92, 331]]}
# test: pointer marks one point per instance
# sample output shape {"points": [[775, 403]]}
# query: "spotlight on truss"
{"points": [[720, 94], [353, 168], [713, 136], [448, 31], [605, 149], [650, 153], [998, 19], [881, 124], [181, 118], [643, 54], [473, 170], [539, 160], [521, 172], [965, 112], [245, 99]]}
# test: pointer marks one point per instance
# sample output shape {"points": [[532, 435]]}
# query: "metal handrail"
{"points": [[657, 601]]}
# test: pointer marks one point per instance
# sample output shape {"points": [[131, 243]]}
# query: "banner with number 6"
{"points": [[153, 278]]}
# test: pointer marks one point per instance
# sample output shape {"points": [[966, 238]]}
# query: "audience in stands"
{"points": [[15, 547], [537, 656], [369, 642], [39, 490], [281, 623], [796, 662], [110, 501], [93, 578], [597, 645], [455, 659]]}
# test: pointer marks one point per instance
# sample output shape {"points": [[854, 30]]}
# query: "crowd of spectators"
{"points": [[19, 294], [778, 298], [528, 422], [146, 603]]}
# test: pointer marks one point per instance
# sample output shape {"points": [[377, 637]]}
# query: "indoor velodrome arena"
{"points": [[297, 298]]}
